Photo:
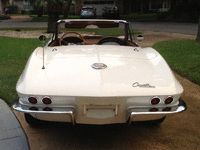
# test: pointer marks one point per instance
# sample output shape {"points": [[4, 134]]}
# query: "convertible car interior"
{"points": [[72, 35]]}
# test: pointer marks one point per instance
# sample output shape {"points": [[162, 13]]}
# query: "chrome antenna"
{"points": [[42, 38], [43, 57]]}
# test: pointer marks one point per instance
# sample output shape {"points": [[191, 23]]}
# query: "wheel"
{"points": [[32, 121], [69, 33]]}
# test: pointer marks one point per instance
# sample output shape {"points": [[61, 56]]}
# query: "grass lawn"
{"points": [[44, 18], [21, 28], [183, 56], [140, 16], [19, 14], [14, 55], [104, 32]]}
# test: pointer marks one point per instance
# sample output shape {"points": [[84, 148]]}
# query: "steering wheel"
{"points": [[110, 39], [69, 33]]}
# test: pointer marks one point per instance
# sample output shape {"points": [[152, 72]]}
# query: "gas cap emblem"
{"points": [[99, 66]]}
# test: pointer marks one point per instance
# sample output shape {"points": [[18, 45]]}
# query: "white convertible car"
{"points": [[84, 77]]}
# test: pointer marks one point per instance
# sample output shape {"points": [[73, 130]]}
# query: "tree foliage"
{"points": [[182, 11], [54, 9], [67, 7]]}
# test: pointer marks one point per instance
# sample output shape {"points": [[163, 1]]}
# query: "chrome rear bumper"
{"points": [[131, 111], [65, 110]]}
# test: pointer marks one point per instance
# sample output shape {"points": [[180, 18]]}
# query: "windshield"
{"points": [[93, 31], [95, 27]]}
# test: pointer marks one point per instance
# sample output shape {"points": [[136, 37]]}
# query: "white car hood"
{"points": [[68, 71]]}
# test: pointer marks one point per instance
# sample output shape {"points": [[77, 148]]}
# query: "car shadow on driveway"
{"points": [[167, 135], [114, 136]]}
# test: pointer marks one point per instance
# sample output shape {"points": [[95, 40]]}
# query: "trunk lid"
{"points": [[130, 71]]}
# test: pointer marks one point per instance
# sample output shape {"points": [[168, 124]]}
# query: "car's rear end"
{"points": [[111, 12], [92, 84], [88, 13]]}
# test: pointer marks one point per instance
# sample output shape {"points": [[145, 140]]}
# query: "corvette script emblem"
{"points": [[136, 84], [99, 66]]}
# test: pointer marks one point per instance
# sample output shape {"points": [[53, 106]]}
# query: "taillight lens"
{"points": [[33, 108], [47, 109], [168, 100], [167, 109], [153, 109], [32, 100], [47, 100], [155, 100]]}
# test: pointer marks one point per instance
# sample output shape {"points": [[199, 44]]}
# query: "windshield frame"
{"points": [[103, 23]]}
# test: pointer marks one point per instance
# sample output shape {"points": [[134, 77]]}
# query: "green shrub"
{"points": [[182, 12], [38, 8], [23, 11], [32, 12], [12, 9]]}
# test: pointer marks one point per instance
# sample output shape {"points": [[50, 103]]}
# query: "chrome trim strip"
{"points": [[181, 107], [90, 20], [68, 110]]}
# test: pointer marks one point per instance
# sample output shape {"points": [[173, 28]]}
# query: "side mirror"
{"points": [[140, 38], [42, 38]]}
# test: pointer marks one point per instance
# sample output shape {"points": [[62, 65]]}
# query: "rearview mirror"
{"points": [[140, 38], [42, 38]]}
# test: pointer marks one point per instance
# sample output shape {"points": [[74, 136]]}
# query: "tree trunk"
{"points": [[54, 8], [52, 19], [40, 11], [66, 12], [198, 33]]}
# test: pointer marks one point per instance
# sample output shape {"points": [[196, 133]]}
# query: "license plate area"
{"points": [[100, 111]]}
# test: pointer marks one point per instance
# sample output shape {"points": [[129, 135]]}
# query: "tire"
{"points": [[32, 121]]}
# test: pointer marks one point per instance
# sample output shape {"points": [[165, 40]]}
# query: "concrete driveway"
{"points": [[181, 131], [12, 136]]}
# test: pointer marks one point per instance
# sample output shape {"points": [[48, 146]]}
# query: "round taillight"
{"points": [[155, 100], [168, 100], [33, 108], [47, 109], [46, 100], [32, 100], [167, 109], [153, 109]]}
